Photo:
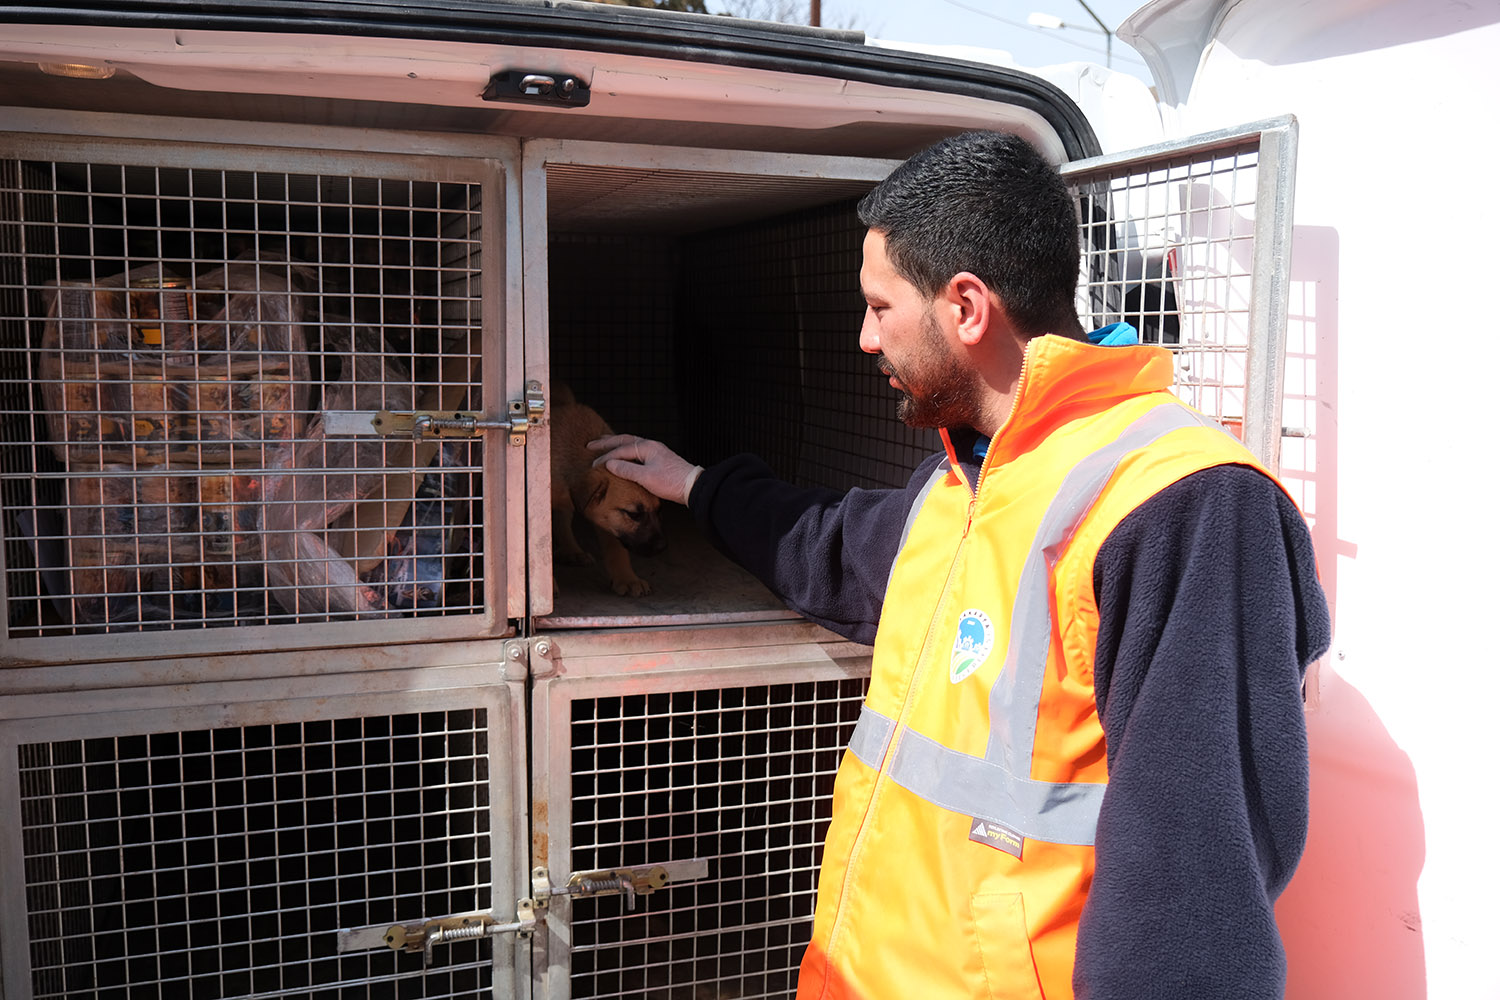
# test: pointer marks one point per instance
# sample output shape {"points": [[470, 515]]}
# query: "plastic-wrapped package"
{"points": [[325, 476], [138, 311], [182, 404], [253, 306], [309, 578], [204, 373], [162, 389], [250, 374], [97, 407]]}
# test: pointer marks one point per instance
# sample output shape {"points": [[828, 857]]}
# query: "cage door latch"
{"points": [[424, 936], [526, 411], [627, 882], [416, 425], [421, 425]]}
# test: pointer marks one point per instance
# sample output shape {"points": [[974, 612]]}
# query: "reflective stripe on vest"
{"points": [[997, 787], [872, 733]]}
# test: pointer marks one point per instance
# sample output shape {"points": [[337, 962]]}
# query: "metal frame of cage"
{"points": [[221, 417], [1218, 206], [725, 754], [203, 839]]}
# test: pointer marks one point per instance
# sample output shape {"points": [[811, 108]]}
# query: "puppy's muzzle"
{"points": [[646, 539]]}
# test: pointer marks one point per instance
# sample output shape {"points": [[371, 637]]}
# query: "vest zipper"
{"points": [[1015, 402], [882, 774]]}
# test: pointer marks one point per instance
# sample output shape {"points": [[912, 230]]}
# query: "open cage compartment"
{"points": [[711, 301], [197, 345]]}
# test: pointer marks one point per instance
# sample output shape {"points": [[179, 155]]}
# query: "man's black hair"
{"points": [[987, 203]]}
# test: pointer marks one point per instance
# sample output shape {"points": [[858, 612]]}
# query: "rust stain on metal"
{"points": [[539, 842]]}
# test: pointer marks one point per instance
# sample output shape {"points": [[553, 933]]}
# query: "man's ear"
{"points": [[973, 306]]}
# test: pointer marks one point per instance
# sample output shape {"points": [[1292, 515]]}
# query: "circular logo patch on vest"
{"points": [[972, 644]]}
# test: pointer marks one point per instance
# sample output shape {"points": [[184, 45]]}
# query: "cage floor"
{"points": [[691, 583]]}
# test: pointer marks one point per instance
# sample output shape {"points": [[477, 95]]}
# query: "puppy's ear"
{"points": [[599, 492]]}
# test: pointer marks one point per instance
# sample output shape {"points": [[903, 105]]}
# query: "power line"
{"points": [[1029, 27]]}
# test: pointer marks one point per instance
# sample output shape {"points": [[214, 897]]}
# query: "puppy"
{"points": [[624, 515]]}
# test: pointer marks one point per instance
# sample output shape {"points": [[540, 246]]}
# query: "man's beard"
{"points": [[944, 392]]}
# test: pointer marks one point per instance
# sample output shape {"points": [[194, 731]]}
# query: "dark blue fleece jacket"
{"points": [[1210, 612]]}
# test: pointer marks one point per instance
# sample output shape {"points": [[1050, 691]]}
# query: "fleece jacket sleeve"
{"points": [[826, 554], [1210, 612]]}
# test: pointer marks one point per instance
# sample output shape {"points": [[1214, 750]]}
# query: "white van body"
{"points": [[1389, 364], [297, 700]]}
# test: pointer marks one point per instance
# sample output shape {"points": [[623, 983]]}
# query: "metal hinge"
{"points": [[423, 936], [419, 425]]}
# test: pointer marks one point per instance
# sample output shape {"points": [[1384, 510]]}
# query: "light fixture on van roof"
{"points": [[78, 70]]}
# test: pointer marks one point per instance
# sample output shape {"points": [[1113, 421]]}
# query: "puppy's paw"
{"points": [[577, 557], [631, 587]]}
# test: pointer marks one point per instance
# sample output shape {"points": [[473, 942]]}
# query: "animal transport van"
{"points": [[297, 700]]}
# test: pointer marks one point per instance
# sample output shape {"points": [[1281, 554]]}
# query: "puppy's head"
{"points": [[626, 510]]}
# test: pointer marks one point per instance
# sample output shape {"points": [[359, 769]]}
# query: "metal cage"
{"points": [[726, 758], [189, 341], [225, 850], [248, 786]]}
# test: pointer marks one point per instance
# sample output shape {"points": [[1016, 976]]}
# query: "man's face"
{"points": [[938, 385]]}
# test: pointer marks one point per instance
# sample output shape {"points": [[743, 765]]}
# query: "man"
{"points": [[1081, 768]]}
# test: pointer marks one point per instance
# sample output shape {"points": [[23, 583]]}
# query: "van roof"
{"points": [[602, 28]]}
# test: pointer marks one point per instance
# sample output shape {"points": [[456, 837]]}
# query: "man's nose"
{"points": [[869, 333]]}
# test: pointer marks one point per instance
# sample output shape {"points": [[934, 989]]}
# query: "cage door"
{"points": [[716, 764], [227, 851], [1190, 242], [252, 401]]}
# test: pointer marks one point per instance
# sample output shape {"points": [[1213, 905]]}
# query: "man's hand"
{"points": [[649, 463]]}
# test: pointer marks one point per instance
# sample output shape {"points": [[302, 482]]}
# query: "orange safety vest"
{"points": [[961, 847]]}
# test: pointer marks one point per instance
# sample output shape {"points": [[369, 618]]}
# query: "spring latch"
{"points": [[607, 883], [424, 937], [447, 935]]}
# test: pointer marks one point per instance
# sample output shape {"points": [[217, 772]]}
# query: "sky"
{"points": [[998, 24]]}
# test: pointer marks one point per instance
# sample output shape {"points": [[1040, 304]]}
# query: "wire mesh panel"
{"points": [[615, 347], [740, 776], [223, 862], [1187, 244], [175, 344], [772, 317]]}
